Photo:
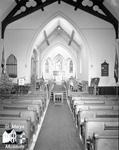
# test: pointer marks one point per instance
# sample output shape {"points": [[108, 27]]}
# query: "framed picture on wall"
{"points": [[105, 69]]}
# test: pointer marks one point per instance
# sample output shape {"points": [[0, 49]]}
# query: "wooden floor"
{"points": [[58, 131]]}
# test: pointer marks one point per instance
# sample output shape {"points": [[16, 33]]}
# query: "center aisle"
{"points": [[58, 131]]}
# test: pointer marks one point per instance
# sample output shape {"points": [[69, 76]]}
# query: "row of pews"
{"points": [[96, 119], [23, 114]]}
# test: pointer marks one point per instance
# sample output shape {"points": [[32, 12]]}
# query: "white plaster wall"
{"points": [[102, 47], [17, 42], [97, 35]]}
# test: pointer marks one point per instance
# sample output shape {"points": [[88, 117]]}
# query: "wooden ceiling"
{"points": [[26, 7]]}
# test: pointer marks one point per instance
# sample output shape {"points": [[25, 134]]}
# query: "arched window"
{"points": [[70, 66], [47, 66], [11, 66], [58, 62]]}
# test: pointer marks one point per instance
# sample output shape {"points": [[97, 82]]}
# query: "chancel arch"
{"points": [[59, 33]]}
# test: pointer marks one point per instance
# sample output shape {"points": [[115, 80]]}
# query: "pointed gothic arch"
{"points": [[71, 66], [11, 66], [83, 44], [46, 66]]}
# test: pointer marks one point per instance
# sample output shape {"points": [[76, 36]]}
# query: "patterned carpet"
{"points": [[58, 131]]}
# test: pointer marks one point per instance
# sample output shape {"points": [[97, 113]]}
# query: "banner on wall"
{"points": [[3, 60], [116, 65]]}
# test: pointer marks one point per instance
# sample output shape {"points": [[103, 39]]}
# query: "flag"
{"points": [[116, 73], [3, 59]]}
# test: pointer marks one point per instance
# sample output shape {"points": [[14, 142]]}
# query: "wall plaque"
{"points": [[105, 69]]}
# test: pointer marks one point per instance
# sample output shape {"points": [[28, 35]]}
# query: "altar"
{"points": [[58, 75]]}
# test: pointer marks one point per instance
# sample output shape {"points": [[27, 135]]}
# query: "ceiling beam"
{"points": [[86, 9], [107, 16], [63, 32], [113, 20], [46, 38], [77, 4], [39, 2], [59, 1], [71, 38], [13, 16]]}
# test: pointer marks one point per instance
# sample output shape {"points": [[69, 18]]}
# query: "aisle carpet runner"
{"points": [[58, 131]]}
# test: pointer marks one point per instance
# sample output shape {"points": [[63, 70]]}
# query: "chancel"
{"points": [[59, 74]]}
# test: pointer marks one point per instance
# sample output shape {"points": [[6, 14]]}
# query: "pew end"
{"points": [[101, 142]]}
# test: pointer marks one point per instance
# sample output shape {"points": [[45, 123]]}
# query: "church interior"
{"points": [[59, 74]]}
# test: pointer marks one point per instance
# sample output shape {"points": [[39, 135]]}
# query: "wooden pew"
{"points": [[77, 108], [101, 142], [93, 114], [101, 126], [90, 103], [26, 108], [113, 101], [109, 105], [23, 114], [103, 97], [22, 106], [94, 107], [107, 102], [34, 98], [40, 103], [42, 97], [78, 100]]}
